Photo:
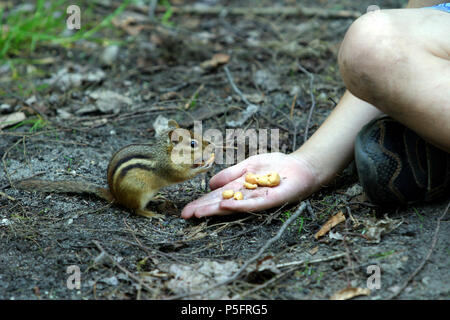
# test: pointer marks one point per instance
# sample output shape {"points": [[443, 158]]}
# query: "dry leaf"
{"points": [[332, 222], [131, 22], [355, 190], [376, 228], [161, 124], [171, 95], [75, 76], [221, 58], [314, 250], [217, 60], [150, 275], [336, 235], [265, 268], [349, 293], [197, 236], [196, 232], [11, 119], [107, 101], [241, 117]]}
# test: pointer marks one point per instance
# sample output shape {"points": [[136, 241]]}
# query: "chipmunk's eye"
{"points": [[193, 144]]}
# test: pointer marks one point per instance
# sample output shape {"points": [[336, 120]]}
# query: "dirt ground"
{"points": [[158, 71]]}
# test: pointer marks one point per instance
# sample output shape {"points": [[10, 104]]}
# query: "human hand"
{"points": [[297, 182]]}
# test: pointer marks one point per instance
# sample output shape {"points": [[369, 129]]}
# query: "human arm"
{"points": [[303, 172]]}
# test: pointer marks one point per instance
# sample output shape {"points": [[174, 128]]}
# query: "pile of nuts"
{"points": [[228, 194], [253, 181]]}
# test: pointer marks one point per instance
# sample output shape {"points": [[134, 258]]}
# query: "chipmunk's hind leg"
{"points": [[149, 214], [142, 211], [135, 193]]}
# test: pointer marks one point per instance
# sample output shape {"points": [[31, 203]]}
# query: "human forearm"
{"points": [[330, 149]]}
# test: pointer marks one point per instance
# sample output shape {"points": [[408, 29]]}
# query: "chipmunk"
{"points": [[137, 171]]}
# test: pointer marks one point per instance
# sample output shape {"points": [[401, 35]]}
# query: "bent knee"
{"points": [[371, 48]]}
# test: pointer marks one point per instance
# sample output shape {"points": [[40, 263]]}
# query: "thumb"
{"points": [[227, 175]]}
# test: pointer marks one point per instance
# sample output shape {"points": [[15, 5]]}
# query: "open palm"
{"points": [[297, 182]]}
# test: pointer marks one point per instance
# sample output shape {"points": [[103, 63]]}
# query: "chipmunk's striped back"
{"points": [[127, 158]]}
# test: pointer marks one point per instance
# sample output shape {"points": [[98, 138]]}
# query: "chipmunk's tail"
{"points": [[64, 186]]}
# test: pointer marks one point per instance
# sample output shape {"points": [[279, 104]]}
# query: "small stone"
{"points": [[354, 190], [63, 114], [113, 281], [5, 108], [109, 55], [426, 280], [266, 79]]}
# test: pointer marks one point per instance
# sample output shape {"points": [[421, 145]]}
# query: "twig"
{"points": [[311, 212], [263, 285], [2, 194], [248, 103], [293, 105], [419, 268], [313, 101], [297, 263], [234, 87], [155, 251], [132, 276], [288, 11], [22, 100], [263, 11], [151, 9], [293, 265], [238, 273], [294, 124], [4, 158]]}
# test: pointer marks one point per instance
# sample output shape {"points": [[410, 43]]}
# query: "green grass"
{"points": [[21, 32], [69, 164], [382, 255], [36, 122], [300, 220], [327, 202], [311, 273], [421, 218], [165, 20]]}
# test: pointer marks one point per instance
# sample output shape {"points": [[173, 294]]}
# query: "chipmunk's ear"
{"points": [[172, 124], [176, 134]]}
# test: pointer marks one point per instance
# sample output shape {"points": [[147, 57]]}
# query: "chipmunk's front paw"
{"points": [[149, 214]]}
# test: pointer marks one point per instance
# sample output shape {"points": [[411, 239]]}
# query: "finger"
{"points": [[211, 203], [225, 207], [207, 204], [212, 209], [207, 200], [227, 175], [188, 211]]}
